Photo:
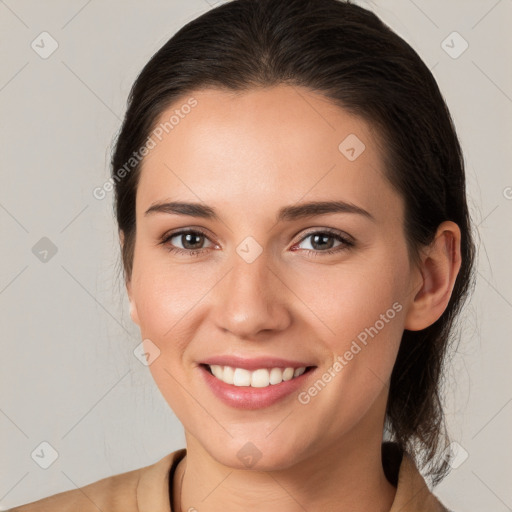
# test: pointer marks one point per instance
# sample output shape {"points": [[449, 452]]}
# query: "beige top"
{"points": [[147, 490]]}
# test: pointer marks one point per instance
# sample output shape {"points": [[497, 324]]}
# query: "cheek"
{"points": [[169, 300], [346, 299], [360, 318], [360, 313]]}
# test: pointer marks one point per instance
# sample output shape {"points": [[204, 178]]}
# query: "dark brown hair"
{"points": [[349, 55]]}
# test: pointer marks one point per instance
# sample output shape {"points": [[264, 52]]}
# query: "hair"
{"points": [[347, 54]]}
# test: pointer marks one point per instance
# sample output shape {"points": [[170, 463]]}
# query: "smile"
{"points": [[254, 389], [260, 378]]}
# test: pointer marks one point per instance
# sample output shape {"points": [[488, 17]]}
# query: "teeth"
{"points": [[242, 377], [299, 371], [260, 378], [276, 376], [288, 373], [217, 371], [227, 375]]}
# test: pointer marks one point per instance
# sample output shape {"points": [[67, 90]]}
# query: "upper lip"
{"points": [[254, 363]]}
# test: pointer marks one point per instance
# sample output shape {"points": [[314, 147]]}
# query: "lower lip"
{"points": [[247, 397]]}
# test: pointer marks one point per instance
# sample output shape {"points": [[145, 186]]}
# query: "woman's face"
{"points": [[253, 284]]}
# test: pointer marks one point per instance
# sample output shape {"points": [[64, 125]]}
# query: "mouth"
{"points": [[258, 378], [258, 388]]}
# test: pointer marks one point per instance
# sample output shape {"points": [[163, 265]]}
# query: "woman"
{"points": [[290, 195]]}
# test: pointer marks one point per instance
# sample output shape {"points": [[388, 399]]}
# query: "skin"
{"points": [[247, 155]]}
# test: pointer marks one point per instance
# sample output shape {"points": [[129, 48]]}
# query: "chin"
{"points": [[261, 454]]}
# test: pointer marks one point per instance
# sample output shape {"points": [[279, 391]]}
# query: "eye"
{"points": [[323, 242], [191, 242]]}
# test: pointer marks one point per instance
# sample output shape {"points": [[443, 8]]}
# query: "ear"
{"points": [[440, 264], [133, 308]]}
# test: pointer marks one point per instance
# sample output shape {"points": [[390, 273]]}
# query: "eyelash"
{"points": [[346, 243]]}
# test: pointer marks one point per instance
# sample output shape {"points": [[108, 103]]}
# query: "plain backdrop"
{"points": [[68, 374]]}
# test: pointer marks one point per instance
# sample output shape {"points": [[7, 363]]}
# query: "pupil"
{"points": [[189, 236], [321, 237]]}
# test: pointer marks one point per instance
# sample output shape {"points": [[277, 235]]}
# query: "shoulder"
{"points": [[124, 492], [103, 494]]}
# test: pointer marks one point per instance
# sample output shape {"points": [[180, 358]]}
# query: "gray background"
{"points": [[68, 373]]}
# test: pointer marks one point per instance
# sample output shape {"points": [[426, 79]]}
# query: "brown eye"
{"points": [[190, 240], [324, 242], [186, 241]]}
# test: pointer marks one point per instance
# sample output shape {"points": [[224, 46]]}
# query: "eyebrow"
{"points": [[287, 213]]}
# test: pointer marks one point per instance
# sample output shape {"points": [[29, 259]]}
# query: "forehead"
{"points": [[262, 146]]}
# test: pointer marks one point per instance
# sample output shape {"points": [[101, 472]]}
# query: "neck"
{"points": [[345, 477]]}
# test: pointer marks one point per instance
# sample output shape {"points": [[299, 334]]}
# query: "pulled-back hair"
{"points": [[347, 54]]}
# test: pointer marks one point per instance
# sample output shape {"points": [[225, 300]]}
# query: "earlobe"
{"points": [[440, 265], [133, 312], [133, 307]]}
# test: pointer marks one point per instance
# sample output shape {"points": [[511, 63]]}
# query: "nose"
{"points": [[251, 299]]}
